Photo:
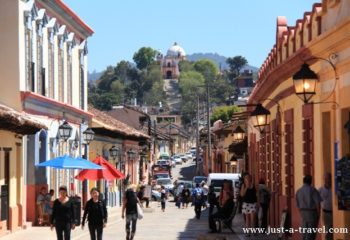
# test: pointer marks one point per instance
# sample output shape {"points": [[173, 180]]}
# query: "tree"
{"points": [[118, 89], [223, 113], [191, 84], [106, 79], [186, 66], [207, 68], [236, 64], [144, 57]]}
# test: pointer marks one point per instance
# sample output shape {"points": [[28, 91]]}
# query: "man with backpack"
{"points": [[197, 199], [264, 199]]}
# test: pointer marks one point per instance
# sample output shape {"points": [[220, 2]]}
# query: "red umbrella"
{"points": [[109, 172]]}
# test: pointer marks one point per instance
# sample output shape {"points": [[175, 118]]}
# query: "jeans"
{"points": [[96, 231], [63, 229], [131, 219]]}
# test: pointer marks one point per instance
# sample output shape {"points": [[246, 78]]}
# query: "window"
{"points": [[289, 152], [60, 70], [51, 66], [40, 70], [82, 81], [69, 73], [308, 156]]}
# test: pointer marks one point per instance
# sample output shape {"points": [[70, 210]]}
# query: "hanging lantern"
{"points": [[305, 81], [88, 135], [238, 134], [113, 152], [260, 117], [65, 131]]}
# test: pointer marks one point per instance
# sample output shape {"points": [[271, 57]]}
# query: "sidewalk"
{"points": [[226, 234], [44, 233]]}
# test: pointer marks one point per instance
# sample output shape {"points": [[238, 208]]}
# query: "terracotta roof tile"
{"points": [[114, 125]]}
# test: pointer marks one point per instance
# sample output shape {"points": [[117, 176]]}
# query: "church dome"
{"points": [[176, 51]]}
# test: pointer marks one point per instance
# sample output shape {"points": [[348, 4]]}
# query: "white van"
{"points": [[217, 179]]}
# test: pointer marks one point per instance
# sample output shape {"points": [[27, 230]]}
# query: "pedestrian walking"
{"points": [[63, 215], [50, 198], [186, 197], [129, 211], [326, 197], [308, 202], [197, 199], [250, 204], [264, 199], [212, 199], [163, 197], [205, 189], [96, 212], [141, 196]]}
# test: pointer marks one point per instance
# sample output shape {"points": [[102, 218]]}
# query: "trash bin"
{"points": [[76, 200]]}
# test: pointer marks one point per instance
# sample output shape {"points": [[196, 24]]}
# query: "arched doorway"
{"points": [[169, 75]]}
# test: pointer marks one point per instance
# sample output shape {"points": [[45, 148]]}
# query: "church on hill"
{"points": [[170, 62]]}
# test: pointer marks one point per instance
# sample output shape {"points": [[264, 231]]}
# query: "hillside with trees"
{"points": [[122, 83]]}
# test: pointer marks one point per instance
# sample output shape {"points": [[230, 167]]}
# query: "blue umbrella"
{"points": [[67, 162]]}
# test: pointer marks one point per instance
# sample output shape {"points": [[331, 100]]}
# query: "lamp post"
{"points": [[65, 132], [131, 154], [88, 136], [114, 152]]}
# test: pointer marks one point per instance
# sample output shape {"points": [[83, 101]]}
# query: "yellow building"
{"points": [[304, 138], [43, 64], [13, 126]]}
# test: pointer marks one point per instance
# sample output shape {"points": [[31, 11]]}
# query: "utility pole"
{"points": [[197, 136], [208, 125]]}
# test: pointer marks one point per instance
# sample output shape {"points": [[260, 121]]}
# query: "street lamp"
{"points": [[65, 131], [238, 134], [113, 152], [131, 153], [261, 117], [305, 83], [88, 135]]}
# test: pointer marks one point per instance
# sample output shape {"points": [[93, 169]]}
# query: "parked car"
{"points": [[198, 179], [161, 175], [189, 156], [216, 180], [178, 160], [156, 195], [163, 162], [167, 183]]}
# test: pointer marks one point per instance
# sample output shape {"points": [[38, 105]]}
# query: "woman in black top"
{"points": [[130, 201], [250, 201], [63, 215], [96, 212]]}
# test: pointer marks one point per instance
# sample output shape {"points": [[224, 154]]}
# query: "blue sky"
{"points": [[226, 27]]}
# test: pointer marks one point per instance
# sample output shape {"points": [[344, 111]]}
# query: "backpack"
{"points": [[198, 195]]}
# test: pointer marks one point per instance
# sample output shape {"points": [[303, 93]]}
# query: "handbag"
{"points": [[139, 211]]}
